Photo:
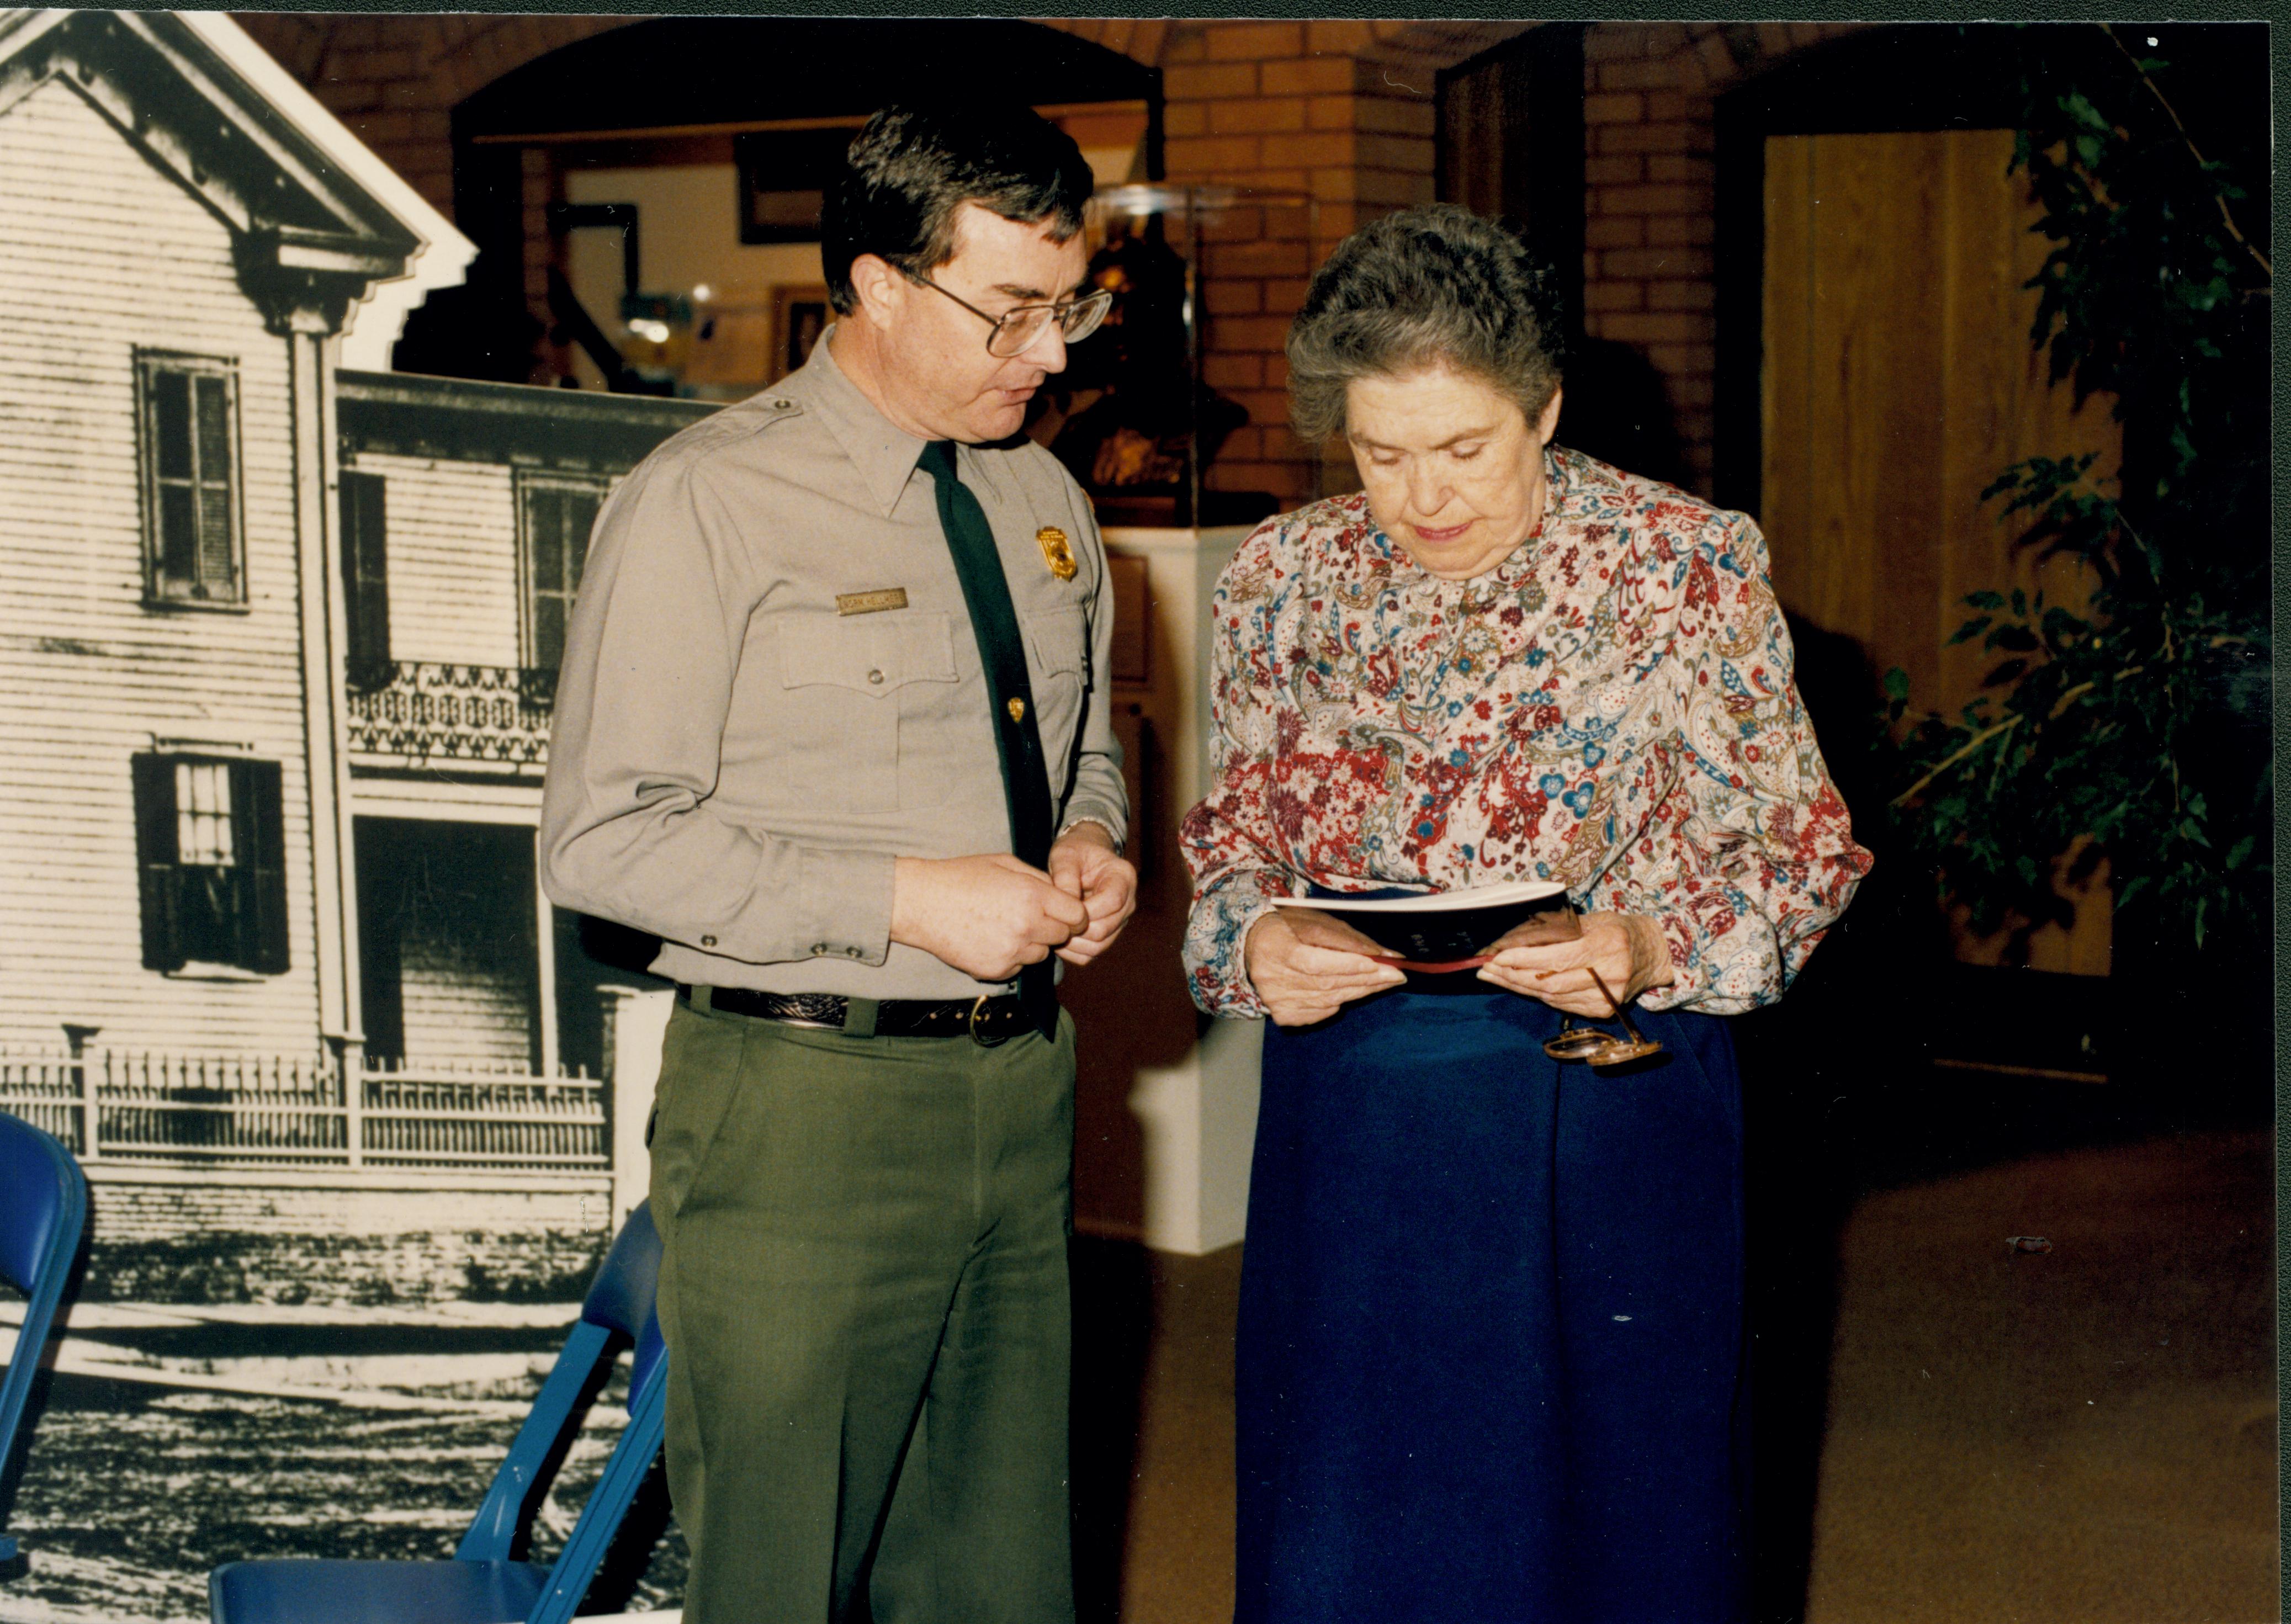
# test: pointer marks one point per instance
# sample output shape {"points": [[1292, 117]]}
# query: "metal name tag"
{"points": [[871, 603]]}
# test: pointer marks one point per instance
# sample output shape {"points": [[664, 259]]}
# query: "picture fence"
{"points": [[124, 1105]]}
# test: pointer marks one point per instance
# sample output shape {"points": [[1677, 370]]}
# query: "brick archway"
{"points": [[1341, 109]]}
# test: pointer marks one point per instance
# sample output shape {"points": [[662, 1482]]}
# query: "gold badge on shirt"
{"points": [[1055, 551]]}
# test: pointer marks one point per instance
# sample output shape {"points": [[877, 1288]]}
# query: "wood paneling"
{"points": [[1898, 382]]}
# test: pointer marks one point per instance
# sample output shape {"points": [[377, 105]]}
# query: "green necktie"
{"points": [[1002, 654]]}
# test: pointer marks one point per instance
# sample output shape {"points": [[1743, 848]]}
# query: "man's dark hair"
{"points": [[910, 168]]}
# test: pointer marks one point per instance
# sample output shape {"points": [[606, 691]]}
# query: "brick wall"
{"points": [[1341, 111], [1301, 108], [395, 80]]}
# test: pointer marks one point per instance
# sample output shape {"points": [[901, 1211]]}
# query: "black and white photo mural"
{"points": [[282, 630], [296, 492]]}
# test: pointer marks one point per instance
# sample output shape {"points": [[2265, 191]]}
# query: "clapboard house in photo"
{"points": [[278, 636], [466, 509]]}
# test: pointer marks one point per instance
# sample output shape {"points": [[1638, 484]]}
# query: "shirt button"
{"points": [[851, 953], [708, 941], [876, 677], [819, 947]]}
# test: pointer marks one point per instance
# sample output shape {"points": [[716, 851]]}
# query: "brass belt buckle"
{"points": [[977, 1036]]}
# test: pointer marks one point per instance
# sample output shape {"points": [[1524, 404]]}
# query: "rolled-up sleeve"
{"points": [[1097, 794], [1230, 841], [629, 831], [1751, 857]]}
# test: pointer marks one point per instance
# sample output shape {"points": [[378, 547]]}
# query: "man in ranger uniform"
{"points": [[832, 723]]}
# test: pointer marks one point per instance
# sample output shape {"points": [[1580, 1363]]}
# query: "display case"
{"points": [[1132, 416]]}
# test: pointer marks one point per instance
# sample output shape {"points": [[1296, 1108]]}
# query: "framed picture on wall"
{"points": [[800, 315], [783, 180]]}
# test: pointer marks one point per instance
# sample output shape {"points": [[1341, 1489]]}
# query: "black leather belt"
{"points": [[987, 1021]]}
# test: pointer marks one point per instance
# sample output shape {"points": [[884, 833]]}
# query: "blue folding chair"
{"points": [[487, 1581], [42, 1208]]}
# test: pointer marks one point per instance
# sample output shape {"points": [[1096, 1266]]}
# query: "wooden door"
{"points": [[1898, 383]]}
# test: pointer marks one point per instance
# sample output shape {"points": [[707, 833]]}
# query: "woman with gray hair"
{"points": [[1491, 1347]]}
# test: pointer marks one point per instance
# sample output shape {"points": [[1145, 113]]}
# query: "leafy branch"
{"points": [[2134, 729], [2226, 215]]}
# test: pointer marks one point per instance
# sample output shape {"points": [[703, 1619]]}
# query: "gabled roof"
{"points": [[321, 224]]}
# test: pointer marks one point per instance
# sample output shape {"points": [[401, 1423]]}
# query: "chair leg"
{"points": [[592, 1534]]}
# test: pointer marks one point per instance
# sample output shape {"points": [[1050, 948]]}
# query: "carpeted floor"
{"points": [[2080, 1436]]}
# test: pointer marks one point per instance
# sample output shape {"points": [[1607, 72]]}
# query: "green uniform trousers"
{"points": [[863, 1292]]}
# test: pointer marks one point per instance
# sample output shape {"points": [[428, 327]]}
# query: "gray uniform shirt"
{"points": [[735, 763]]}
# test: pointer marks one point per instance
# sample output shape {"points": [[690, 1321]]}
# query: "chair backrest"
{"points": [[620, 1298], [617, 1314], [42, 1208], [43, 1195]]}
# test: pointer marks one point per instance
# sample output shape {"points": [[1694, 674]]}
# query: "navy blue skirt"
{"points": [[1490, 1361]]}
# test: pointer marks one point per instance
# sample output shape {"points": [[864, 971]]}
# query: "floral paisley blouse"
{"points": [[1611, 707]]}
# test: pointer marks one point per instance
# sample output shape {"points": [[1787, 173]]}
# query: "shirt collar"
{"points": [[884, 453]]}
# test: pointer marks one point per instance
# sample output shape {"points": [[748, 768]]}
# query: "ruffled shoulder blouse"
{"points": [[1611, 707]]}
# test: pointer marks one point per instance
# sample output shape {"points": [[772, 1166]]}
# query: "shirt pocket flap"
{"points": [[871, 655], [1060, 638]]}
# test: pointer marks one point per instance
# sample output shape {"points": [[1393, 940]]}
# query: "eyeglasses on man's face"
{"points": [[1014, 331]]}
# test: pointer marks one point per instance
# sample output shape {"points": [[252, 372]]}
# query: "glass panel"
{"points": [[215, 429], [207, 914], [179, 536], [171, 424], [547, 633], [214, 537], [203, 821], [580, 520], [546, 525]]}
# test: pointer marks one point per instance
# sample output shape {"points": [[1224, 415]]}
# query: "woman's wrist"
{"points": [[1651, 965], [1241, 947]]}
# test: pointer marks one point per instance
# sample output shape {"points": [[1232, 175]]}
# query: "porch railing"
{"points": [[119, 1105], [435, 1116], [421, 711]]}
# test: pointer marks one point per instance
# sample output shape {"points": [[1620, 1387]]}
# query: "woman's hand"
{"points": [[1307, 966], [1627, 950]]}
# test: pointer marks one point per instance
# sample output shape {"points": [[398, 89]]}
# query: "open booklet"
{"points": [[1441, 931]]}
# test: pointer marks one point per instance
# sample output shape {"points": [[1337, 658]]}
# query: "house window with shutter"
{"points": [[365, 580], [194, 548], [555, 514], [210, 848]]}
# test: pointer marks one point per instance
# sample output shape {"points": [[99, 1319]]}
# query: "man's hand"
{"points": [[1307, 966], [988, 916], [1085, 866], [1627, 949]]}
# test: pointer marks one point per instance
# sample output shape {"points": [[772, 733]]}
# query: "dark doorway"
{"points": [[448, 959]]}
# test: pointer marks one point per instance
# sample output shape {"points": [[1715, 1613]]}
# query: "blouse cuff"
{"points": [[1729, 966], [1217, 962], [1688, 980]]}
